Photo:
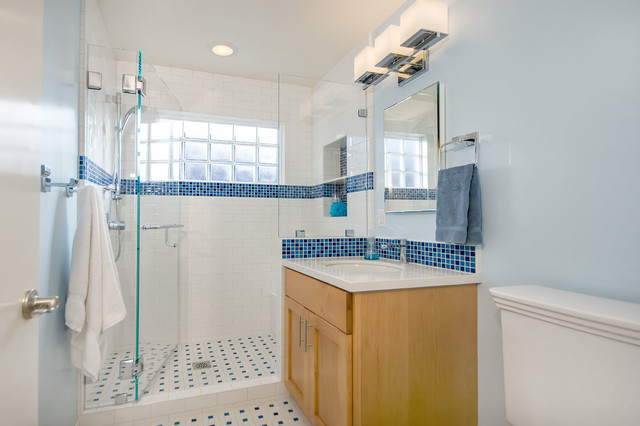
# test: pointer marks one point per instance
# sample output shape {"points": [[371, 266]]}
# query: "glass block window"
{"points": [[191, 150], [406, 161]]}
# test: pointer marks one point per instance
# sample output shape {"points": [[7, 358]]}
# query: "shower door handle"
{"points": [[33, 305]]}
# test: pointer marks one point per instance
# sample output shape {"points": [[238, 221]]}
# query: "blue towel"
{"points": [[474, 228], [338, 209], [459, 210]]}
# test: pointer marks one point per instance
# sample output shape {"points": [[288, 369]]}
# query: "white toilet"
{"points": [[569, 358]]}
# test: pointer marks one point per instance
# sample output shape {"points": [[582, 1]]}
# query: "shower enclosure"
{"points": [[123, 100]]}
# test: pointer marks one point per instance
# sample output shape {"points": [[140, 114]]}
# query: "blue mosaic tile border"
{"points": [[295, 191], [253, 190], [388, 249], [296, 248], [442, 255], [92, 172], [410, 194], [360, 182], [343, 161]]}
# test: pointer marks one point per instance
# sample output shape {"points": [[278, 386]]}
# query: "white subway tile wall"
{"points": [[229, 266]]}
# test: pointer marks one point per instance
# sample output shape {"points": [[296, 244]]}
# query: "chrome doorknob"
{"points": [[33, 305]]}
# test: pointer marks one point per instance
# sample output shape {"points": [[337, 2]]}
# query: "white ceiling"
{"points": [[296, 37]]}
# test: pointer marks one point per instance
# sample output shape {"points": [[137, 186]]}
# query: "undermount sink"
{"points": [[363, 266]]}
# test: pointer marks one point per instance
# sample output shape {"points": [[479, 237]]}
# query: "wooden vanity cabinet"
{"points": [[318, 354], [394, 357]]}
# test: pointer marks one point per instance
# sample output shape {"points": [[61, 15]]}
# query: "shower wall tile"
{"points": [[313, 216], [229, 266]]}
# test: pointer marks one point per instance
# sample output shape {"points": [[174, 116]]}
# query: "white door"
{"points": [[20, 138]]}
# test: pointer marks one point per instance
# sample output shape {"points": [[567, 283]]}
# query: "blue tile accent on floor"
{"points": [[296, 248], [410, 194]]}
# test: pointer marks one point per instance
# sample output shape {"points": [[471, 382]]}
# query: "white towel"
{"points": [[94, 302]]}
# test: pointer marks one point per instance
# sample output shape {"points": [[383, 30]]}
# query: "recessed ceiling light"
{"points": [[222, 50]]}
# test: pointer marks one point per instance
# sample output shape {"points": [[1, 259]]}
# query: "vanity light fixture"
{"points": [[404, 48], [364, 69], [387, 48], [424, 24]]}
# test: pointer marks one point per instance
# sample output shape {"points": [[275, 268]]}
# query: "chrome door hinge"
{"points": [[130, 369]]}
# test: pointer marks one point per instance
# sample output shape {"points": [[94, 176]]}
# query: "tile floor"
{"points": [[232, 360], [269, 412]]}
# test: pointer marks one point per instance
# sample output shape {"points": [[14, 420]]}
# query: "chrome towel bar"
{"points": [[166, 227], [470, 139], [46, 184]]}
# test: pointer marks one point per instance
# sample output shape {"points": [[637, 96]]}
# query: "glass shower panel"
{"points": [[147, 266], [328, 184], [98, 165], [159, 230]]}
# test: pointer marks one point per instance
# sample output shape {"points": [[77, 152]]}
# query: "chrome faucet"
{"points": [[403, 251]]}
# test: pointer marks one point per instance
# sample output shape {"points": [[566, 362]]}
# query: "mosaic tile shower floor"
{"points": [[232, 360]]}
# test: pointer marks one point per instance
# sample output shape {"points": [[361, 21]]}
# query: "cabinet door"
{"points": [[330, 370], [295, 359]]}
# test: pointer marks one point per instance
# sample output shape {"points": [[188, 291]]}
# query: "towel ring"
{"points": [[469, 139]]}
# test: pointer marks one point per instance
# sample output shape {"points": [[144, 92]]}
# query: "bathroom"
{"points": [[520, 73]]}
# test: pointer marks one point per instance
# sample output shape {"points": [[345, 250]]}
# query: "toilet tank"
{"points": [[569, 358]]}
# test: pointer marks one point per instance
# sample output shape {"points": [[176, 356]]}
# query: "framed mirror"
{"points": [[413, 129]]}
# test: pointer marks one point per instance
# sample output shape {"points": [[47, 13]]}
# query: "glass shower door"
{"points": [[117, 115], [158, 235]]}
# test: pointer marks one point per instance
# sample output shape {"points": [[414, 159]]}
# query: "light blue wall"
{"points": [[57, 379], [554, 89]]}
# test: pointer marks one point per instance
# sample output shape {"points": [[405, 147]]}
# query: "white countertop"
{"points": [[412, 275]]}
